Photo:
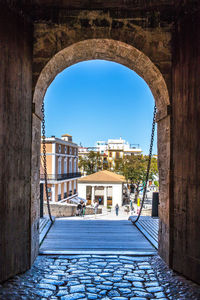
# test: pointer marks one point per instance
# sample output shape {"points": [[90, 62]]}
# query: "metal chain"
{"points": [[149, 163], [45, 161]]}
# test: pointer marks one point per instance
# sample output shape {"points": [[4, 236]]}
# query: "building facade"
{"points": [[111, 151], [62, 168], [115, 149]]}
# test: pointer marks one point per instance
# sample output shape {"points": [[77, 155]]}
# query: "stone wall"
{"points": [[15, 142], [149, 33], [184, 211], [164, 161], [67, 210], [138, 36]]}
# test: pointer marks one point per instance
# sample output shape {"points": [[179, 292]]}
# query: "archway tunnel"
{"points": [[134, 59], [171, 71]]}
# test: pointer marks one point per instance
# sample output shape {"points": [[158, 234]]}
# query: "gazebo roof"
{"points": [[103, 176]]}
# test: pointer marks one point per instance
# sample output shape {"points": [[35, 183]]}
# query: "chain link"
{"points": [[149, 163], [45, 161]]}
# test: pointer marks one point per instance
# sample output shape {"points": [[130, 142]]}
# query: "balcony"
{"points": [[61, 176]]}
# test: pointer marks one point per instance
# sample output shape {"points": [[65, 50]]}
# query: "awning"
{"points": [[77, 200]]}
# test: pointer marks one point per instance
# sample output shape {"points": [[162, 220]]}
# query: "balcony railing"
{"points": [[61, 176]]}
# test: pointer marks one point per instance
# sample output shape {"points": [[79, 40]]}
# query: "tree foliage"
{"points": [[134, 168], [90, 163], [118, 165]]}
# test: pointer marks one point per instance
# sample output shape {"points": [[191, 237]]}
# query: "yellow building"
{"points": [[62, 168], [119, 148]]}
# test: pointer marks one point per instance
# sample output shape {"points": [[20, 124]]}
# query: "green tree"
{"points": [[154, 168], [134, 169], [118, 165], [90, 163]]}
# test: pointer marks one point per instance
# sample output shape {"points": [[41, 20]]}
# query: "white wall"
{"points": [[117, 194], [82, 190], [116, 191]]}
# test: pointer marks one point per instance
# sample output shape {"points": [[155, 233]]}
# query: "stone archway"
{"points": [[106, 49], [135, 60]]}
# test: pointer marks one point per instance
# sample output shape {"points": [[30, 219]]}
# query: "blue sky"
{"points": [[97, 100]]}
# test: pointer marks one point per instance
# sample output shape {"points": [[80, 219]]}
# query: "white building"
{"points": [[117, 144], [115, 149], [105, 187]]}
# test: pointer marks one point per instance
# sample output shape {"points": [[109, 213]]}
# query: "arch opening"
{"points": [[135, 60], [105, 49]]}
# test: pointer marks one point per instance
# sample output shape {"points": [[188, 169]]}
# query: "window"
{"points": [[59, 189], [65, 149], [88, 192], [75, 187], [110, 154], [59, 165], [75, 165], [70, 165], [65, 166], [70, 150], [70, 188], [117, 155], [65, 190], [59, 148], [59, 192]]}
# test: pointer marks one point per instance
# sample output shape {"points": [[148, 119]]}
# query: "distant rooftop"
{"points": [[66, 135], [103, 176]]}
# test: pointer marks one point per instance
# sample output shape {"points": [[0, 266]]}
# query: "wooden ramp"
{"points": [[95, 237], [149, 227]]}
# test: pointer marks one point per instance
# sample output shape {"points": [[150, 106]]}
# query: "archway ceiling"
{"points": [[51, 9], [107, 49], [96, 4]]}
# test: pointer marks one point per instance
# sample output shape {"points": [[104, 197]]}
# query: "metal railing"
{"points": [[61, 176]]}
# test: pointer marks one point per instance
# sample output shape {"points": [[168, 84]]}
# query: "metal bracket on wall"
{"points": [[34, 111], [162, 114]]}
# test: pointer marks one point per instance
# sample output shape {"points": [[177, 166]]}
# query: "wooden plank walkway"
{"points": [[44, 227], [95, 237], [149, 227]]}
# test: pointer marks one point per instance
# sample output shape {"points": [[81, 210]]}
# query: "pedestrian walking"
{"points": [[117, 209], [79, 210], [83, 208], [131, 204]]}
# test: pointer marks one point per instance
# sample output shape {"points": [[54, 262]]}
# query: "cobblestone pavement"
{"points": [[99, 277]]}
